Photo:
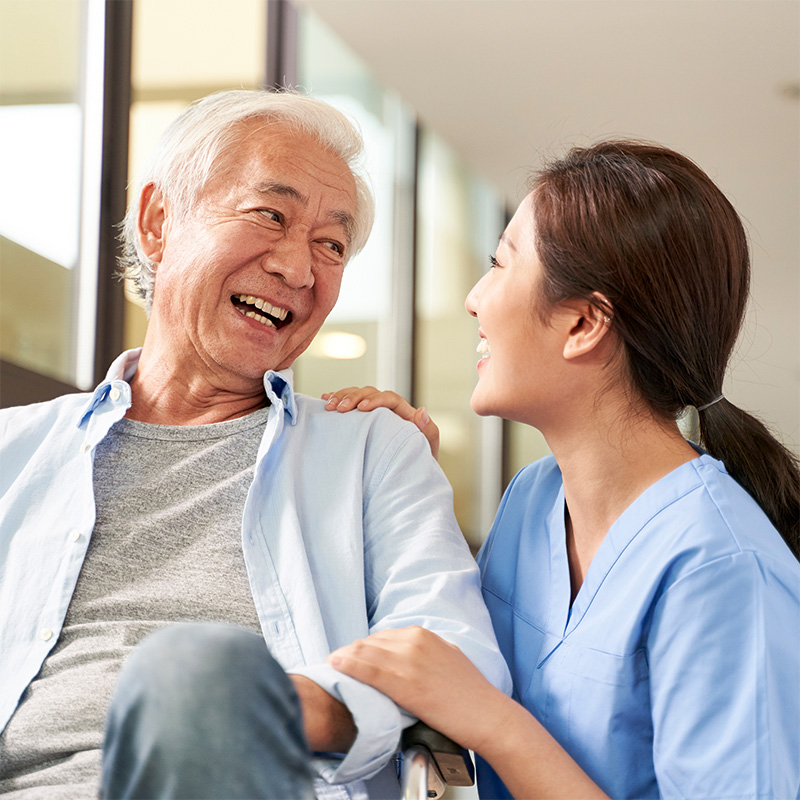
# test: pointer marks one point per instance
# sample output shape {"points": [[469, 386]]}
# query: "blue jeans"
{"points": [[203, 711]]}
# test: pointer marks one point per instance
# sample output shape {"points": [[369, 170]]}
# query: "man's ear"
{"points": [[150, 224], [590, 325]]}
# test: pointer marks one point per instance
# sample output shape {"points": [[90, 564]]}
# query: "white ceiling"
{"points": [[508, 81], [504, 80]]}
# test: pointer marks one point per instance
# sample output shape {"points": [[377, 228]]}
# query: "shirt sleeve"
{"points": [[725, 670], [378, 721], [418, 571]]}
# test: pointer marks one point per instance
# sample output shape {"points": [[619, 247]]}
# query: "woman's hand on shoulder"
{"points": [[368, 398]]}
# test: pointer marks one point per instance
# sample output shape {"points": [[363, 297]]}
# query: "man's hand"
{"points": [[368, 398], [328, 723]]}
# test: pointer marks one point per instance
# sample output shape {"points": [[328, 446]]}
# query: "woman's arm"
{"points": [[368, 398], [434, 681]]}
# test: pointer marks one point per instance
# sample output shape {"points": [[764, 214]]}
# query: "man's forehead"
{"points": [[272, 159], [273, 142], [281, 150]]}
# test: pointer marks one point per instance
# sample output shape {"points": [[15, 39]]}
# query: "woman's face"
{"points": [[520, 353]]}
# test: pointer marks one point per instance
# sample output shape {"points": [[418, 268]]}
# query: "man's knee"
{"points": [[197, 674], [199, 658], [196, 696]]}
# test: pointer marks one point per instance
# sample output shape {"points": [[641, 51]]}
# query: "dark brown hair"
{"points": [[645, 227]]}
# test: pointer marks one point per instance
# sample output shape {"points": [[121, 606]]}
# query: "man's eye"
{"points": [[270, 214], [336, 247]]}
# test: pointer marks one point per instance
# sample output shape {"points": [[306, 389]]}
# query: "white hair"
{"points": [[189, 152]]}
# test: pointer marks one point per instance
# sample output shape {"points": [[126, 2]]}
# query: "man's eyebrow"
{"points": [[282, 189], [506, 241], [346, 221], [342, 218]]}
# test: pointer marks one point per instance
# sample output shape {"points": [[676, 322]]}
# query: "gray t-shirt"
{"points": [[166, 547]]}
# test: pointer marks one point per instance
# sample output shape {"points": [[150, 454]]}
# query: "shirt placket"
{"points": [[271, 604]]}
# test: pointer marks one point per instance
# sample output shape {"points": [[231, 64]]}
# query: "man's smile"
{"points": [[261, 310]]}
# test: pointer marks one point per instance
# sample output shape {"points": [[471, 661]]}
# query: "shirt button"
{"points": [[74, 536], [84, 447], [45, 634], [114, 393]]}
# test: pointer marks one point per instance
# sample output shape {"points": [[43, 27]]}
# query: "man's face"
{"points": [[245, 278]]}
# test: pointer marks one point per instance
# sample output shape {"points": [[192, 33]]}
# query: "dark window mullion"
{"points": [[281, 55], [114, 180]]}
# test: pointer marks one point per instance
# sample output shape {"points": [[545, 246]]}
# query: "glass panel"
{"points": [[459, 219], [357, 344], [182, 51], [189, 48], [41, 122]]}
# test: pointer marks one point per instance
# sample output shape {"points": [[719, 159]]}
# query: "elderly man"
{"points": [[201, 522]]}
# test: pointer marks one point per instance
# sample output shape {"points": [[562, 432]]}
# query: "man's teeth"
{"points": [[256, 317], [260, 305], [483, 346]]}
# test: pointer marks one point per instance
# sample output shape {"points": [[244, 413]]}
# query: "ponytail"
{"points": [[648, 230], [757, 461]]}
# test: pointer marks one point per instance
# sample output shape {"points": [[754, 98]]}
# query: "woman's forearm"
{"points": [[529, 761]]}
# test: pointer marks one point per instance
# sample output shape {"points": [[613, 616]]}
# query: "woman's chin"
{"points": [[481, 405]]}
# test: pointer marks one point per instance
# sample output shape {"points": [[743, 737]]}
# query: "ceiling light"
{"points": [[338, 344]]}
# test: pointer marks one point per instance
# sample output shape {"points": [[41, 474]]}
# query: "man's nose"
{"points": [[291, 259]]}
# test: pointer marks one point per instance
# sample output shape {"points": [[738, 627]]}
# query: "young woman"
{"points": [[645, 591]]}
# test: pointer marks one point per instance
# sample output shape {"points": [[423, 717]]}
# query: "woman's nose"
{"points": [[471, 303]]}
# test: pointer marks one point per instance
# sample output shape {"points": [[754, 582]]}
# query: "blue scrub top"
{"points": [[676, 671]]}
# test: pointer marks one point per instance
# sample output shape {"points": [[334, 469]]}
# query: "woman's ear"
{"points": [[590, 325], [150, 224]]}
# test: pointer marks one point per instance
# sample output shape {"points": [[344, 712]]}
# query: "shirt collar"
{"points": [[280, 389], [118, 376], [279, 385]]}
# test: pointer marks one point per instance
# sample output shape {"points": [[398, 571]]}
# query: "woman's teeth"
{"points": [[483, 347]]}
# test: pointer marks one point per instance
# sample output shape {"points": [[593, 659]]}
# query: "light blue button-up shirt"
{"points": [[348, 528]]}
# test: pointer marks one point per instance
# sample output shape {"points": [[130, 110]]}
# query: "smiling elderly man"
{"points": [[183, 548]]}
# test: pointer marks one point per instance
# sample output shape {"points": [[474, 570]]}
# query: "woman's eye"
{"points": [[493, 262]]}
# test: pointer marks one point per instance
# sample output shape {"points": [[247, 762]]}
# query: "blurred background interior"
{"points": [[457, 99]]}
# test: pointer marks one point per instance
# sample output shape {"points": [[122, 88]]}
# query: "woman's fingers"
{"points": [[347, 399], [423, 421], [395, 662], [368, 398], [365, 661]]}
